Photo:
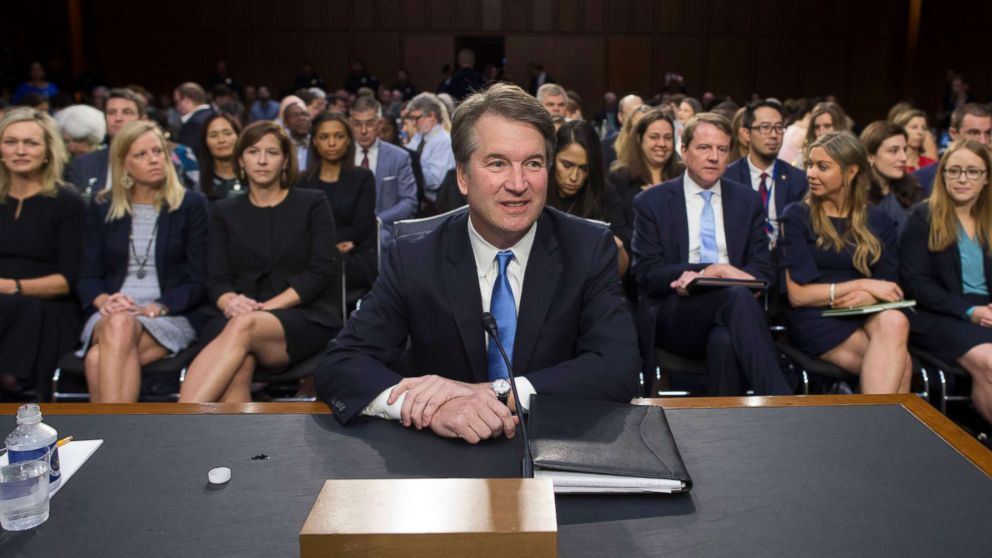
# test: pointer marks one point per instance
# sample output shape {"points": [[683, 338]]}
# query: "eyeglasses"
{"points": [[414, 117], [767, 128], [955, 173], [364, 124]]}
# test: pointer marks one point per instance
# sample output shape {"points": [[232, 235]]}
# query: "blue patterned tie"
{"points": [[503, 308], [707, 232]]}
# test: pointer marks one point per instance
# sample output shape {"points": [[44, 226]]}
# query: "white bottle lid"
{"points": [[219, 475]]}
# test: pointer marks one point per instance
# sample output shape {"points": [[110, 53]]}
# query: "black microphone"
{"points": [[489, 324]]}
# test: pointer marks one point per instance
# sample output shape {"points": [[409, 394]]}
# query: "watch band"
{"points": [[17, 287]]}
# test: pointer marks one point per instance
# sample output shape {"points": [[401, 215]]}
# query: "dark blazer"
{"points": [[191, 133], [660, 247], [261, 252], [790, 182], [609, 146], [180, 254], [575, 335], [395, 186], [88, 172], [926, 176], [933, 279]]}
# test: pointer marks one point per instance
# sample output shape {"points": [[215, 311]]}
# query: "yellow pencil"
{"points": [[63, 441]]}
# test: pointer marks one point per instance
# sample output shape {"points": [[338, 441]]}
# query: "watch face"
{"points": [[500, 387]]}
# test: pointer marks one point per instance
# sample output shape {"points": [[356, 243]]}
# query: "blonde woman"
{"points": [[41, 223], [839, 252], [144, 265], [945, 266]]}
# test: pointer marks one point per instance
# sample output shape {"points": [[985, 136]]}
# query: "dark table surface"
{"points": [[868, 480]]}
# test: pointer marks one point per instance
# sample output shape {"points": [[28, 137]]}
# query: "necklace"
{"points": [[134, 253]]}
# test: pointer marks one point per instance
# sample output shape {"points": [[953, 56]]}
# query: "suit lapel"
{"points": [[461, 283], [540, 282], [161, 241], [678, 209], [781, 178], [735, 233]]}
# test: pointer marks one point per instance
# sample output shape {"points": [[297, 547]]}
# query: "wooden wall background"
{"points": [[855, 49]]}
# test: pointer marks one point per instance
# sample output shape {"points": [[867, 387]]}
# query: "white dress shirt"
{"points": [[185, 118], [694, 212], [436, 159], [488, 270], [373, 155], [770, 184]]}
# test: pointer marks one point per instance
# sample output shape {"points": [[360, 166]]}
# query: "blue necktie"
{"points": [[503, 308], [707, 232]]}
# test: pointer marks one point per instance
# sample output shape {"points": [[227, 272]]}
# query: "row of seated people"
{"points": [[770, 193], [138, 257]]}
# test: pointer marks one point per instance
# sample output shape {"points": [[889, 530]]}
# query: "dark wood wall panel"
{"points": [[856, 49]]}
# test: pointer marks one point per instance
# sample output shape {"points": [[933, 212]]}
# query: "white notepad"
{"points": [[71, 458]]}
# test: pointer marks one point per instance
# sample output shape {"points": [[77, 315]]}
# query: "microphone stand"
{"points": [[489, 323]]}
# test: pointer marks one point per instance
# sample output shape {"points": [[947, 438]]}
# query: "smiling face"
{"points": [[707, 155], [221, 138], [23, 148], [331, 141], [658, 143], [890, 159], [964, 191], [505, 179], [571, 169], [145, 161], [264, 162]]}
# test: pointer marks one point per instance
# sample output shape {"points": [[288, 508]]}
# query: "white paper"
{"points": [[71, 458], [571, 482]]}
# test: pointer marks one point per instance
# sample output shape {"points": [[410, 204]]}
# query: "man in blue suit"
{"points": [[395, 186], [416, 350], [702, 225], [776, 181], [972, 121], [90, 173]]}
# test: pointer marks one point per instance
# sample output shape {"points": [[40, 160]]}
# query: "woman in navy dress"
{"points": [[839, 252], [946, 267], [41, 221]]}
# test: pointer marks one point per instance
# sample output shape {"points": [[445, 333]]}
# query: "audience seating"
{"points": [[159, 380], [943, 370]]}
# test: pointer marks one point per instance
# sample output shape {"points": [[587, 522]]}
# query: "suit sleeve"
{"points": [[918, 276], [91, 271], [653, 268], [353, 371], [71, 223], [887, 267], [758, 259], [406, 190], [220, 279], [606, 360], [325, 260], [188, 295]]}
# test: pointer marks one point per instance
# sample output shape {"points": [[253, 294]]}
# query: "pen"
{"points": [[63, 441]]}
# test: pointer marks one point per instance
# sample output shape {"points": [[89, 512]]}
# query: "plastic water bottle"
{"points": [[32, 439]]}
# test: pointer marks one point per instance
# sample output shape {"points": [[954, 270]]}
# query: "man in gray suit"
{"points": [[395, 187]]}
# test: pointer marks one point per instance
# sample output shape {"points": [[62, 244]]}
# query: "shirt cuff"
{"points": [[379, 408], [525, 389], [970, 311]]}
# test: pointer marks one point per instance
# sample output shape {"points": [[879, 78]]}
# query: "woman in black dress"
{"points": [[839, 252], [272, 267], [946, 267], [578, 184], [144, 273], [41, 224], [351, 191], [217, 177]]}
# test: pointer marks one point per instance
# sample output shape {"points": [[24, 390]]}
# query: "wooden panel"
{"points": [[643, 15], [542, 15], [414, 14], [325, 15], [683, 55], [579, 65], [467, 15], [382, 52], [729, 17], [390, 12], [568, 15], [776, 76], [594, 15], [423, 56], [492, 15], [363, 14], [823, 67], [618, 16], [516, 15], [441, 14], [521, 50], [728, 66], [629, 64]]}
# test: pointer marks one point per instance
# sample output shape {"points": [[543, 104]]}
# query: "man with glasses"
{"points": [[776, 181], [702, 224], [432, 143], [969, 121], [395, 187]]}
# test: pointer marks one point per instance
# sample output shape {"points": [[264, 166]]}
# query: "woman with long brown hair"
{"points": [[892, 188], [946, 267], [839, 252]]}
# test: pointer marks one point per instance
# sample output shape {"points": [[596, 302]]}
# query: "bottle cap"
{"points": [[29, 413], [220, 475]]}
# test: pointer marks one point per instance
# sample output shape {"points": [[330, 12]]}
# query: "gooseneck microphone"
{"points": [[489, 324]]}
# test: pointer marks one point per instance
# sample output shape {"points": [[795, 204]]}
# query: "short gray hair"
{"points": [[366, 103], [550, 90], [503, 100], [427, 104], [82, 122]]}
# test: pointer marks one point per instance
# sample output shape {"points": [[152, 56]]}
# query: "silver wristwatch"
{"points": [[501, 388]]}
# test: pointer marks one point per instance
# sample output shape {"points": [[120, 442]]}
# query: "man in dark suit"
{"points": [[191, 102], [395, 186], [549, 280], [972, 121], [90, 173], [702, 225], [776, 181], [466, 80]]}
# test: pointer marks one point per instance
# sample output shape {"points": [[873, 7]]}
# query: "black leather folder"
{"points": [[702, 284], [596, 446]]}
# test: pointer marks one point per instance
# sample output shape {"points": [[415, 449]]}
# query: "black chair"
{"points": [[944, 370], [282, 383], [670, 364], [160, 380], [424, 225]]}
